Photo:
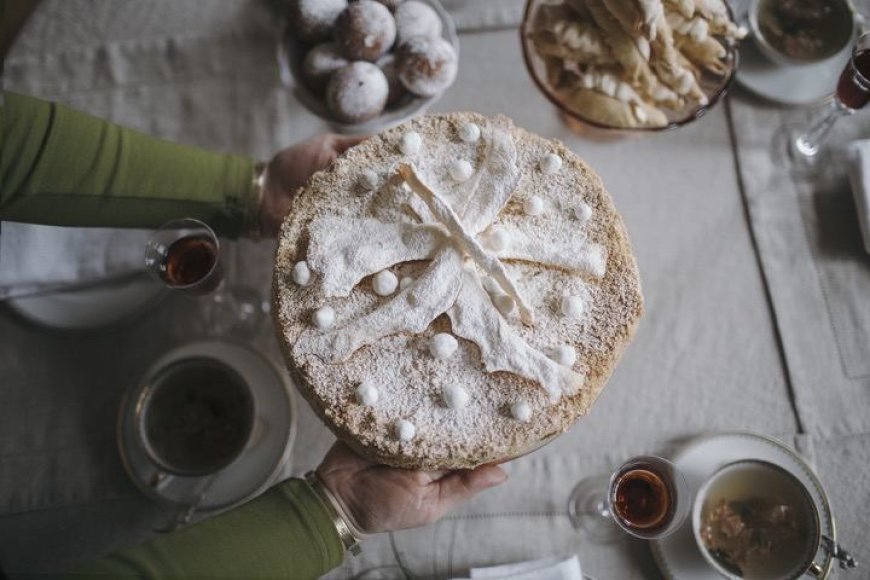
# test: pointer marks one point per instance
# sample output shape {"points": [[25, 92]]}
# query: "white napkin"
{"points": [[560, 568], [37, 258], [858, 168]]}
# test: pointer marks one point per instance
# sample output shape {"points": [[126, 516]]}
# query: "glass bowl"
{"points": [[714, 87], [291, 53]]}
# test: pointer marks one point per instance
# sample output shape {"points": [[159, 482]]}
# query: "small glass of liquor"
{"points": [[852, 93], [185, 254], [646, 497]]}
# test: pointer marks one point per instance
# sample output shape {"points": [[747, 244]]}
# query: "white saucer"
{"points": [[796, 85], [258, 465], [677, 555], [97, 306]]}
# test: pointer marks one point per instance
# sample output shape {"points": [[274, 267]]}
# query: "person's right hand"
{"points": [[381, 498]]}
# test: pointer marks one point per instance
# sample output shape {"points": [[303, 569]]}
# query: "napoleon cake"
{"points": [[454, 291]]}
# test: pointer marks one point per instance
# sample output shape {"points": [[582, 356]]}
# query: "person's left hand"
{"points": [[290, 168]]}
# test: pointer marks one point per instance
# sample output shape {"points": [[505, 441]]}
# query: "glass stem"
{"points": [[809, 142]]}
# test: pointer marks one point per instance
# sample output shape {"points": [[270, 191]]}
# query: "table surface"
{"points": [[753, 283]]}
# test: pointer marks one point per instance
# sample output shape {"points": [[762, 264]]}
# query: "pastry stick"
{"points": [[628, 13], [624, 49], [601, 108], [669, 66], [685, 7], [708, 54]]}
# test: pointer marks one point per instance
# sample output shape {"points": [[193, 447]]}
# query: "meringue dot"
{"points": [[405, 430], [498, 238], [582, 212], [469, 132], [460, 170], [324, 317], [521, 411], [301, 273], [551, 163], [503, 303], [405, 282], [533, 206], [411, 143], [564, 355], [572, 306], [442, 345], [369, 180], [455, 396], [366, 394], [385, 283]]}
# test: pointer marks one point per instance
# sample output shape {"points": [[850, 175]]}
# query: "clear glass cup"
{"points": [[646, 497], [805, 144], [185, 254]]}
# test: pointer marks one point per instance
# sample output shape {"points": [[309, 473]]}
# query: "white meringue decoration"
{"points": [[551, 163], [460, 170], [533, 206], [582, 212], [503, 303], [405, 430], [385, 283], [301, 273], [469, 132], [323, 317], [572, 306], [411, 143], [405, 282], [442, 345], [521, 411], [455, 396], [366, 394], [369, 180], [497, 238], [564, 355]]}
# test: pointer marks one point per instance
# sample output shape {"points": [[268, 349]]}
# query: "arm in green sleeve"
{"points": [[285, 533], [62, 167]]}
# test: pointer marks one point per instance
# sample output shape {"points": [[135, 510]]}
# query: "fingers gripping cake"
{"points": [[454, 291]]}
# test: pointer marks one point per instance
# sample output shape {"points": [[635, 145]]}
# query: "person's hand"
{"points": [[290, 168], [381, 498]]}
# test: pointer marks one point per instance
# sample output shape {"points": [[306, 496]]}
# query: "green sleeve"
{"points": [[286, 533], [62, 167]]}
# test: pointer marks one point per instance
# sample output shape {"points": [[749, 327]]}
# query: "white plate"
{"points": [[257, 466], [677, 555], [790, 85], [98, 305]]}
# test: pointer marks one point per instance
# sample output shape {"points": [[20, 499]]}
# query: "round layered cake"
{"points": [[454, 291]]}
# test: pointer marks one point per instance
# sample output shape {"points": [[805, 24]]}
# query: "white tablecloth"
{"points": [[727, 342]]}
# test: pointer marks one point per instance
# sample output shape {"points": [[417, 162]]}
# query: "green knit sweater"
{"points": [[62, 167]]}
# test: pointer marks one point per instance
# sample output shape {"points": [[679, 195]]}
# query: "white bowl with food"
{"points": [[368, 65]]}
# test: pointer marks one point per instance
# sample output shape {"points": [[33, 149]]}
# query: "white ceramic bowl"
{"points": [[290, 55]]}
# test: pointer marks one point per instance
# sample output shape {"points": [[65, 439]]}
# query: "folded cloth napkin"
{"points": [[35, 259], [560, 568], [858, 168]]}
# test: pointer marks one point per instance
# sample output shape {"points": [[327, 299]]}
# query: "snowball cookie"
{"points": [[397, 89], [427, 66], [357, 92], [312, 20], [415, 18], [319, 64], [365, 30]]}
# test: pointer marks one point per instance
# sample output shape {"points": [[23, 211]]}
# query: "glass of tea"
{"points": [[185, 254], [646, 497], [852, 94]]}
